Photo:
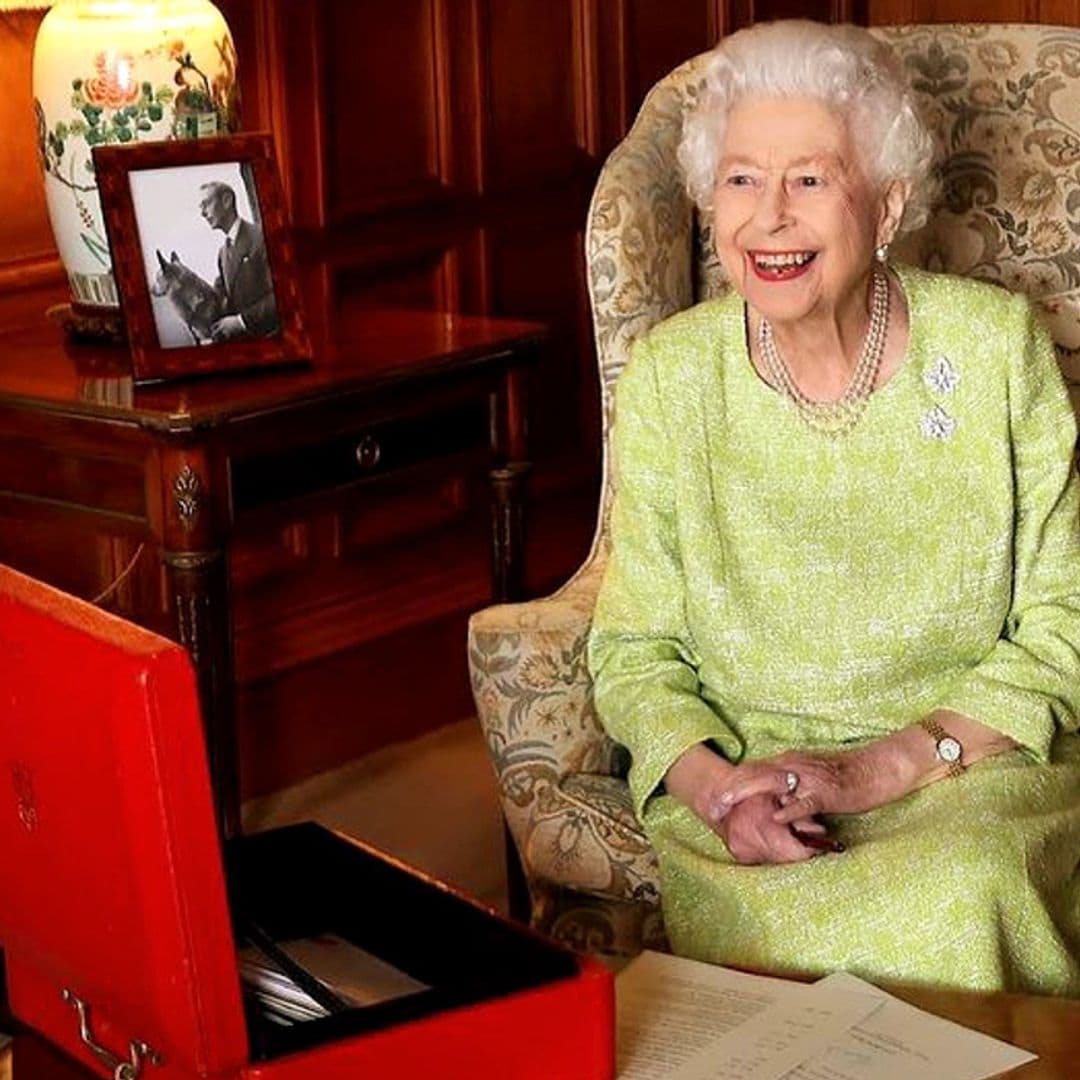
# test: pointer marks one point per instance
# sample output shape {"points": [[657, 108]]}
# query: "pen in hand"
{"points": [[818, 843]]}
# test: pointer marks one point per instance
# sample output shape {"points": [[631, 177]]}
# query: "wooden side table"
{"points": [[184, 468]]}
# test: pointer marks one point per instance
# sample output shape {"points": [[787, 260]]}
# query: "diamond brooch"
{"points": [[942, 377], [938, 424]]}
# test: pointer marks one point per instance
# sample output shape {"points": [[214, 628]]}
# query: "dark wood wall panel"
{"points": [[421, 279], [1060, 12], [1055, 12], [822, 10], [973, 11], [249, 23], [382, 146], [890, 12], [743, 12], [284, 85], [656, 31], [27, 252], [537, 273], [535, 93], [298, 725]]}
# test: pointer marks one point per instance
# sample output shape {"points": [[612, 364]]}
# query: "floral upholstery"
{"points": [[1003, 105]]}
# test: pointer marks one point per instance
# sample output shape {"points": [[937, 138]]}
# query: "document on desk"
{"points": [[679, 1019], [900, 1040], [683, 1020]]}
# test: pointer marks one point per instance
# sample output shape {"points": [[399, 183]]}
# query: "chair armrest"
{"points": [[533, 694]]}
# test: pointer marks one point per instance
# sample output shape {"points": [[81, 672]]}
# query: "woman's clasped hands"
{"points": [[766, 810]]}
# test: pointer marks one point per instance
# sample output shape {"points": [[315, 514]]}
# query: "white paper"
{"points": [[351, 972], [780, 1037], [356, 976], [677, 1020], [901, 1040]]}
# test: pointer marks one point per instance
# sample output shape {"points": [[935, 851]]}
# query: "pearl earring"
{"points": [[881, 253]]}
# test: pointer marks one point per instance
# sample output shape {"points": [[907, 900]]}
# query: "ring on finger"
{"points": [[791, 780]]}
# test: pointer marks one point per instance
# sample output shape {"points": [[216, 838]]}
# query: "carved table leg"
{"points": [[508, 530], [197, 572], [199, 588]]}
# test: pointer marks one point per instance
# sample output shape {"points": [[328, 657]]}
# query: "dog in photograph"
{"points": [[195, 300]]}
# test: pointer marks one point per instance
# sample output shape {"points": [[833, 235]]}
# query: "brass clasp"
{"points": [[121, 1070]]}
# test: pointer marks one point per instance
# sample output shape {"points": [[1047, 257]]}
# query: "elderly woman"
{"points": [[840, 627]]}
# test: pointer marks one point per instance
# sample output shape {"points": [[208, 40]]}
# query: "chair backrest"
{"points": [[1003, 104]]}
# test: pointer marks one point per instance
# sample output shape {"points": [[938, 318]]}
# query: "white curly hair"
{"points": [[841, 65]]}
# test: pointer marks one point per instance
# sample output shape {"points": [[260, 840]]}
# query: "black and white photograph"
{"points": [[204, 254]]}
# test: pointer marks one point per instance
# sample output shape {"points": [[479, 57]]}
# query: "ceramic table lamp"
{"points": [[119, 71]]}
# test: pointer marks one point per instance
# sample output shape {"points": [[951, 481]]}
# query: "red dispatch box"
{"points": [[119, 911]]}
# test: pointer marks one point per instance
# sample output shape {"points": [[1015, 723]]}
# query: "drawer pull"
{"points": [[368, 452]]}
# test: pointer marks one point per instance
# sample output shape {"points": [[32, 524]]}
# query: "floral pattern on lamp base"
{"points": [[101, 80]]}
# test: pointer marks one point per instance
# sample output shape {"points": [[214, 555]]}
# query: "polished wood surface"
{"points": [[276, 523], [1046, 1026], [44, 372]]}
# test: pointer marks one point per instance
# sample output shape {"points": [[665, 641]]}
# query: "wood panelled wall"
{"points": [[440, 154], [445, 155], [1053, 12], [28, 257]]}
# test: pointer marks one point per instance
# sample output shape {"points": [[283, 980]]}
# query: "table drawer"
{"points": [[368, 451]]}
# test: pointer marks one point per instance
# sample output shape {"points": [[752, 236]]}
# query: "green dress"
{"points": [[771, 588]]}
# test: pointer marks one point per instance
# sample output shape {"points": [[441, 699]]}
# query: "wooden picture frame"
{"points": [[206, 279]]}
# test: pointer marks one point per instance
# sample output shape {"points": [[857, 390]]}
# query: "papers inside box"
{"points": [[276, 974], [383, 944]]}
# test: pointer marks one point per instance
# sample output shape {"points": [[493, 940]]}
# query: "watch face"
{"points": [[948, 749]]}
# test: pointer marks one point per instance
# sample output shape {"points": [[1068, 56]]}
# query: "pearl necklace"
{"points": [[835, 418]]}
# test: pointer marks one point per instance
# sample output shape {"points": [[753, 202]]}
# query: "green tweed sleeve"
{"points": [[643, 662], [1028, 686]]}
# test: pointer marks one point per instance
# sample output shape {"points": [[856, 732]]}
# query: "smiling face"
{"points": [[795, 220]]}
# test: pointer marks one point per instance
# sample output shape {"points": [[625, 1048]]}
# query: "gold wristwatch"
{"points": [[948, 749]]}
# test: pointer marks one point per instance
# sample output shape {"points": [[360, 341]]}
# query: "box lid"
{"points": [[113, 884]]}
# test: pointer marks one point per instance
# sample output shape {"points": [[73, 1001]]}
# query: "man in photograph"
{"points": [[244, 286]]}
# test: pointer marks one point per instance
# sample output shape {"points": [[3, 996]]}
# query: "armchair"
{"points": [[1003, 103]]}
